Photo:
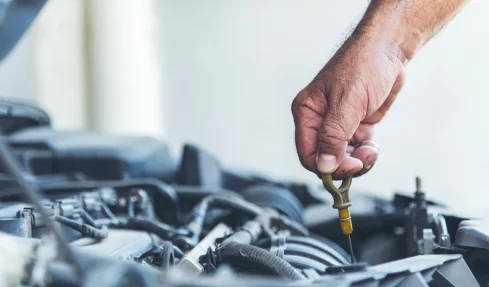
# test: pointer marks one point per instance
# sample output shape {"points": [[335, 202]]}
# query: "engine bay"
{"points": [[128, 214]]}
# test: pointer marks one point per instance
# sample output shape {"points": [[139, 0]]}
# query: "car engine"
{"points": [[80, 208]]}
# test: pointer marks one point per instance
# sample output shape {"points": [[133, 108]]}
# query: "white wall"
{"points": [[59, 64], [232, 68], [125, 66], [16, 71]]}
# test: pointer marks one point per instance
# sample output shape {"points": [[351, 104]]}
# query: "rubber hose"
{"points": [[330, 254], [161, 229], [200, 211], [275, 197], [168, 256], [84, 229], [257, 258], [161, 192]]}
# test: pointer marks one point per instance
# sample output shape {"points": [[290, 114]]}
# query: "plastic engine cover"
{"points": [[17, 114], [473, 233], [98, 156]]}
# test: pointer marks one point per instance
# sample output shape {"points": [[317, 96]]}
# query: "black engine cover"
{"points": [[98, 156]]}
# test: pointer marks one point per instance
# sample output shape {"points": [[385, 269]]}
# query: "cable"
{"points": [[178, 251], [161, 229], [84, 229], [200, 211], [32, 195], [130, 208], [237, 203], [87, 218], [256, 258], [199, 192], [106, 210], [162, 192], [163, 256], [247, 234]]}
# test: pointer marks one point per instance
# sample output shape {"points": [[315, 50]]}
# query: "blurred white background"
{"points": [[223, 74]]}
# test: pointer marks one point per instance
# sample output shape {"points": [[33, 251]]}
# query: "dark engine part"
{"points": [[276, 197], [16, 115], [16, 17], [92, 155], [200, 168], [306, 252], [131, 218]]}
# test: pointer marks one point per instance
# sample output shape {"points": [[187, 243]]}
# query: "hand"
{"points": [[335, 114]]}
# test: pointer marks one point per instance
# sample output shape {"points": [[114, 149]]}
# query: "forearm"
{"points": [[406, 24]]}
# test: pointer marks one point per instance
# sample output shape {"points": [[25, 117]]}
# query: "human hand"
{"points": [[335, 114]]}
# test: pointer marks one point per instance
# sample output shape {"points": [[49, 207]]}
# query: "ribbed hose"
{"points": [[257, 258], [84, 229]]}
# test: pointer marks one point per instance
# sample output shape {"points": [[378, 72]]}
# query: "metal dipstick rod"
{"points": [[341, 198]]}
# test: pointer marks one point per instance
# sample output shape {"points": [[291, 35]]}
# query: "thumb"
{"points": [[333, 136]]}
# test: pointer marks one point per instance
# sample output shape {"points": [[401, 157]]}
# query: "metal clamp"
{"points": [[341, 196]]}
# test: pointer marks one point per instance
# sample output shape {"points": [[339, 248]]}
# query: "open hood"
{"points": [[15, 18]]}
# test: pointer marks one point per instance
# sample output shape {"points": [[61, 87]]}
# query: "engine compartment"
{"points": [[134, 216]]}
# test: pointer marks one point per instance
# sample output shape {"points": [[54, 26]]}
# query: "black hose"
{"points": [[330, 254], [10, 164], [163, 256], [303, 262], [199, 192], [87, 218], [248, 233], [200, 211], [162, 193], [161, 229], [86, 230], [256, 258], [295, 227], [239, 204]]}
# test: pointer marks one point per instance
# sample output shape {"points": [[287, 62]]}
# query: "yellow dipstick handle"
{"points": [[345, 221]]}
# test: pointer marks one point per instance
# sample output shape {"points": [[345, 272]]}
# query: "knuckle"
{"points": [[308, 100], [334, 128], [296, 102]]}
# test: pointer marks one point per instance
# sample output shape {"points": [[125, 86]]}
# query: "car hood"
{"points": [[16, 17]]}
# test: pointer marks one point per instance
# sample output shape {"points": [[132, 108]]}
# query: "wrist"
{"points": [[388, 22]]}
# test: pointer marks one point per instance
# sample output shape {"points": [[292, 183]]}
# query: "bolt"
{"points": [[418, 183]]}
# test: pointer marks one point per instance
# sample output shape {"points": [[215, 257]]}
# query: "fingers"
{"points": [[328, 143], [335, 133], [307, 119], [368, 153], [362, 153], [349, 166]]}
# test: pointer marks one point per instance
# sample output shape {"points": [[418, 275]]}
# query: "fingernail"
{"points": [[326, 163], [371, 160]]}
